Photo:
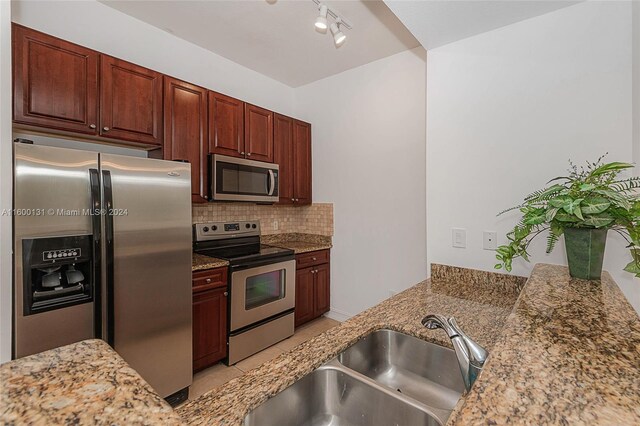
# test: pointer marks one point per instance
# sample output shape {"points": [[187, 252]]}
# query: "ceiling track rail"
{"points": [[345, 23]]}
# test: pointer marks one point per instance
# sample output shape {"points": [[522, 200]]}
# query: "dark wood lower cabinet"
{"points": [[322, 302], [312, 286], [305, 299], [209, 318]]}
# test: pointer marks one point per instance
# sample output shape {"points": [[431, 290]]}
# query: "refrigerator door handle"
{"points": [[96, 229], [108, 229]]}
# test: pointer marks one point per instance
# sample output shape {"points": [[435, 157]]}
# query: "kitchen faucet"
{"points": [[471, 356]]}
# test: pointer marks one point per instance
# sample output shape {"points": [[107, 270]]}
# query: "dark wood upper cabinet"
{"points": [[283, 156], [302, 161], [185, 131], [55, 82], [258, 133], [226, 125], [130, 102]]}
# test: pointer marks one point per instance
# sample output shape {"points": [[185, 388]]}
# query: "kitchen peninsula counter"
{"points": [[562, 351], [82, 383]]}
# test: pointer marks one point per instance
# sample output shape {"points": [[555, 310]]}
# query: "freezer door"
{"points": [[148, 264], [51, 198]]}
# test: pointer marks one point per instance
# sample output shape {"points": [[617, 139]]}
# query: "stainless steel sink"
{"points": [[332, 395], [424, 371], [385, 379]]}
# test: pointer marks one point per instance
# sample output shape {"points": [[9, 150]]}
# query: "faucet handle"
{"points": [[477, 354]]}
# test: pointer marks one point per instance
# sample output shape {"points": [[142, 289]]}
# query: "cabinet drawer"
{"points": [[205, 280], [312, 258]]}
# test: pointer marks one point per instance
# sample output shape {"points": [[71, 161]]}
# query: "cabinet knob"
{"points": [[242, 153], [313, 272], [248, 154], [226, 293], [105, 128], [313, 258], [92, 126], [293, 199], [208, 280]]}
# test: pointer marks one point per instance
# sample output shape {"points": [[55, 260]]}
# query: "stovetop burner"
{"points": [[237, 242]]}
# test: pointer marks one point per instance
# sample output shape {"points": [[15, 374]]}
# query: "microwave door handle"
{"points": [[272, 182]]}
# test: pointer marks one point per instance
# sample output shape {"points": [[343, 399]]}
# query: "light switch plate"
{"points": [[459, 237], [489, 240]]}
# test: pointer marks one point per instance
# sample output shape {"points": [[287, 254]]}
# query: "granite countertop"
{"points": [[82, 383], [479, 309], [299, 243], [569, 354], [201, 262], [562, 351]]}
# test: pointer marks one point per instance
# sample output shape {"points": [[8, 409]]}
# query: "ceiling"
{"points": [[277, 37], [438, 22]]}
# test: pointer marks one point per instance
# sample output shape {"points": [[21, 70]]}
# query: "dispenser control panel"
{"points": [[60, 254]]}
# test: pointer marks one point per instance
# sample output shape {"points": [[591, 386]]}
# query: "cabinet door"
{"points": [[258, 133], [304, 296], [302, 161], [283, 156], [130, 102], [55, 82], [209, 327], [185, 131], [226, 125], [322, 302]]}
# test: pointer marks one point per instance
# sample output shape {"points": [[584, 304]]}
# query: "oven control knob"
{"points": [[205, 229], [215, 228], [254, 226], [248, 226]]}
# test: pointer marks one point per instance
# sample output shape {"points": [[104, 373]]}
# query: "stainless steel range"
{"points": [[262, 282]]}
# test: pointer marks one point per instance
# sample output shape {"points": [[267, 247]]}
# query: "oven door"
{"points": [[261, 292], [238, 179]]}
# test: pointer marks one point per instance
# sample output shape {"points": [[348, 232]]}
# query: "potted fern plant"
{"points": [[583, 207]]}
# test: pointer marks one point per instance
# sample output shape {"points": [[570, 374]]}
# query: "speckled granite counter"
{"points": [[300, 243], [562, 351], [82, 383], [569, 354], [201, 262], [480, 310]]}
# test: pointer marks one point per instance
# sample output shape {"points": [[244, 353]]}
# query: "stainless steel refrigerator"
{"points": [[103, 249]]}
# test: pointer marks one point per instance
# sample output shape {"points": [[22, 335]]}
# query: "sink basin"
{"points": [[331, 395], [424, 371]]}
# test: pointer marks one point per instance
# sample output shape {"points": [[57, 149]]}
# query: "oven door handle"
{"points": [[272, 182]]}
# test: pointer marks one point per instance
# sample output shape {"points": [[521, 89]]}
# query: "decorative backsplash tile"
{"points": [[314, 219]]}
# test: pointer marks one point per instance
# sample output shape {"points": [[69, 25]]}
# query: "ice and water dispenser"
{"points": [[58, 272]]}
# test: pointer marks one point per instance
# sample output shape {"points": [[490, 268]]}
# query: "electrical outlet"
{"points": [[489, 240], [275, 225], [459, 237]]}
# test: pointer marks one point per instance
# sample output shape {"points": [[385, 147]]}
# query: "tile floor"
{"points": [[219, 374]]}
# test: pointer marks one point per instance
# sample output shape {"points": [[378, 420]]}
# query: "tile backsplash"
{"points": [[314, 219]]}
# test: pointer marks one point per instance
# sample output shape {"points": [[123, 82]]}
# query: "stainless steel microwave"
{"points": [[238, 179]]}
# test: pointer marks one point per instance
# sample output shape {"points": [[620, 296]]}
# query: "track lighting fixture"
{"points": [[338, 36], [321, 21]]}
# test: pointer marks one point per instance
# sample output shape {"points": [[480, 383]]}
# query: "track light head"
{"points": [[321, 21], [338, 36]]}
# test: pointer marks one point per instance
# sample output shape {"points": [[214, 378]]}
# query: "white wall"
{"points": [[506, 109], [636, 83], [97, 26], [368, 127], [5, 181]]}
